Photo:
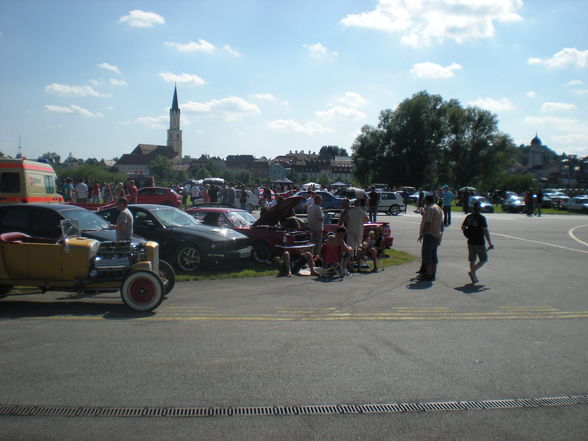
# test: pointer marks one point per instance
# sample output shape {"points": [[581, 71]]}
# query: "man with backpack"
{"points": [[475, 228]]}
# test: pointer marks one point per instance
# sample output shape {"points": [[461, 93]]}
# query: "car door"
{"points": [[146, 225]]}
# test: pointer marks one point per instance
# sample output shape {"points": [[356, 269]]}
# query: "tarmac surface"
{"points": [[257, 354]]}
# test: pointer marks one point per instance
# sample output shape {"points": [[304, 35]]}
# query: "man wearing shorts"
{"points": [[475, 228], [430, 234]]}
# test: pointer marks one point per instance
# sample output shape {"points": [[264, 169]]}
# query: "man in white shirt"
{"points": [[81, 192]]}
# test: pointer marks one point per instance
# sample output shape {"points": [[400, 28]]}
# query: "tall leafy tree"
{"points": [[427, 141], [161, 168]]}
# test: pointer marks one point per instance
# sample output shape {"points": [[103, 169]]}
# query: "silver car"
{"points": [[578, 203]]}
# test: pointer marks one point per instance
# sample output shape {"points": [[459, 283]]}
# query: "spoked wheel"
{"points": [[394, 210], [167, 276], [188, 258], [142, 291], [262, 252]]}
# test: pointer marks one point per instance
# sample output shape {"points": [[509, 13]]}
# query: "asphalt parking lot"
{"points": [[281, 346]]}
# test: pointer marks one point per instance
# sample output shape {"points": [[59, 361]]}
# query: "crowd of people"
{"points": [[88, 192]]}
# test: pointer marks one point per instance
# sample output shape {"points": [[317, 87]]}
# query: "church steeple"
{"points": [[174, 134], [175, 100]]}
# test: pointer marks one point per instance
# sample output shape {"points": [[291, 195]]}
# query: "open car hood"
{"points": [[278, 212]]}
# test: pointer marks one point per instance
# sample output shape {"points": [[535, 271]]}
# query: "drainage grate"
{"points": [[334, 409]]}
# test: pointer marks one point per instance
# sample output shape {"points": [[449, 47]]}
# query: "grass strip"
{"points": [[392, 258]]}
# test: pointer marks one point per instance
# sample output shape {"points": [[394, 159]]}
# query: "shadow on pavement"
{"points": [[470, 288], [17, 309], [419, 284]]}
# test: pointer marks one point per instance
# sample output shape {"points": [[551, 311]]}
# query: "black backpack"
{"points": [[468, 227]]}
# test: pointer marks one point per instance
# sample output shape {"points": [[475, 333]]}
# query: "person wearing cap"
{"points": [[447, 200]]}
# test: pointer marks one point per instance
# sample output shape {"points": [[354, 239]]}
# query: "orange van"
{"points": [[23, 181]]}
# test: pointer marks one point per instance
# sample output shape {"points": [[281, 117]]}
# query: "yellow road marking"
{"points": [[350, 317], [540, 243]]}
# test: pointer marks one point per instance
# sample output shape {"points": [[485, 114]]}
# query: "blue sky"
{"points": [[96, 78]]}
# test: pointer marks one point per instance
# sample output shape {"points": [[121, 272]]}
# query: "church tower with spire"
{"points": [[174, 134]]}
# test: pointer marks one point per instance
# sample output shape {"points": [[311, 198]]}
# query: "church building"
{"points": [[137, 162]]}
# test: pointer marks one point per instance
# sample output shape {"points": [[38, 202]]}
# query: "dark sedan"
{"points": [[182, 240]]}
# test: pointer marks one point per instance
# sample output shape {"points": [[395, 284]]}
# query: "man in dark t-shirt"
{"points": [[475, 228]]}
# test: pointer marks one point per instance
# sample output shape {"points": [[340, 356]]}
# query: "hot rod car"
{"points": [[84, 265]]}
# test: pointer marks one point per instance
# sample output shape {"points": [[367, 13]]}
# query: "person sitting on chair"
{"points": [[373, 247], [336, 249], [295, 266]]}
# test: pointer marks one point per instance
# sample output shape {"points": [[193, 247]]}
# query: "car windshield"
{"points": [[173, 217], [240, 218], [86, 219]]}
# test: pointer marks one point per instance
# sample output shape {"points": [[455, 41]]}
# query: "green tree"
{"points": [[427, 141], [517, 182], [53, 158], [202, 173], [333, 150], [324, 180], [91, 172], [161, 168]]}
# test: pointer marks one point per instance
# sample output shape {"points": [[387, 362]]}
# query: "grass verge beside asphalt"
{"points": [[392, 258]]}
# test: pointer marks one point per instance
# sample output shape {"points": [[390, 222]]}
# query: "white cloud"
{"points": [[264, 96], [581, 92], [565, 57], [116, 82], [66, 90], [339, 112], [433, 70], [290, 125], [493, 105], [319, 52], [426, 21], [109, 67], [156, 122], [231, 51], [352, 99], [142, 19], [531, 94], [183, 79], [230, 109], [569, 133], [574, 83], [192, 46], [557, 107], [73, 110]]}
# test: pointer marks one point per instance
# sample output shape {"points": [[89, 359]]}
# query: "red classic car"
{"points": [[270, 235]]}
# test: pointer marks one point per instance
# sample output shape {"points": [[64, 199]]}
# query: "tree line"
{"points": [[428, 142]]}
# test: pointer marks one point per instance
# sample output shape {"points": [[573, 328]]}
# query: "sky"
{"points": [[266, 77]]}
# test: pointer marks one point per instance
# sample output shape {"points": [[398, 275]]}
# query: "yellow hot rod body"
{"points": [[81, 265]]}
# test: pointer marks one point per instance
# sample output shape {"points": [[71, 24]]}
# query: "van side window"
{"points": [[49, 184], [9, 182]]}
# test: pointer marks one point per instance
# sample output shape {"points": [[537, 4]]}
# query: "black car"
{"points": [[43, 220], [183, 240]]}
